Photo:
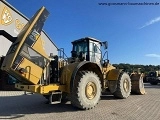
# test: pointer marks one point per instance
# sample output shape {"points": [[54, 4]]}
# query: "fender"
{"points": [[70, 71], [112, 78], [75, 72], [86, 65], [113, 74]]}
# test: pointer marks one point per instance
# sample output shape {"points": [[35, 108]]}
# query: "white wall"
{"points": [[4, 45]]}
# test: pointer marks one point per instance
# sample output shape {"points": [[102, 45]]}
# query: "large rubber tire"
{"points": [[137, 84], [123, 89], [86, 91]]}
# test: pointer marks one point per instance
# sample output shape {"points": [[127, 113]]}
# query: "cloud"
{"points": [[153, 55], [155, 20]]}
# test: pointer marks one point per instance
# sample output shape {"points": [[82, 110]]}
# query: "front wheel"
{"points": [[123, 89], [86, 91]]}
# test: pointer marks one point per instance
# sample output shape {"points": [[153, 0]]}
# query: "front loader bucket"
{"points": [[137, 84]]}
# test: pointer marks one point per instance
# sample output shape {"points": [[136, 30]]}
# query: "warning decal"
{"points": [[6, 17]]}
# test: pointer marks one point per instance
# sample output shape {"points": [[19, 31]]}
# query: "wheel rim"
{"points": [[126, 85], [91, 90]]}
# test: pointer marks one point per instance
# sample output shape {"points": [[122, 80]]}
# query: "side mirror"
{"points": [[105, 44]]}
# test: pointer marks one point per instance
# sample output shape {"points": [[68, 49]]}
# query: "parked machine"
{"points": [[153, 77], [81, 78]]}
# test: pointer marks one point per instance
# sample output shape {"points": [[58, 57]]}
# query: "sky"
{"points": [[132, 30]]}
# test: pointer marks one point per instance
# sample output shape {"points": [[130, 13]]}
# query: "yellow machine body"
{"points": [[83, 77]]}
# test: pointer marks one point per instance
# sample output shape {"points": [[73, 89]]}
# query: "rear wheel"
{"points": [[137, 84], [86, 91], [123, 89]]}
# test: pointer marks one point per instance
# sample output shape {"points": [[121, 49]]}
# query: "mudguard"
{"points": [[112, 78], [69, 72], [113, 74]]}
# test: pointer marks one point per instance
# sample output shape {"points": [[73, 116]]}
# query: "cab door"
{"points": [[95, 52]]}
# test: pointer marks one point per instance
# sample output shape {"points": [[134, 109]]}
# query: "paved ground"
{"points": [[16, 105]]}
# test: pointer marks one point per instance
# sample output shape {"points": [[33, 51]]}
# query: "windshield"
{"points": [[80, 47]]}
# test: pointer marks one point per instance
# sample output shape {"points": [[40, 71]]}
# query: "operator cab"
{"points": [[88, 49]]}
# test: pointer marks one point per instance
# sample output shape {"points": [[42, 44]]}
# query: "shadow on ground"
{"points": [[12, 107], [148, 85]]}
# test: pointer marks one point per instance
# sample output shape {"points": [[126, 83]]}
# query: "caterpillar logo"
{"points": [[6, 17], [19, 24]]}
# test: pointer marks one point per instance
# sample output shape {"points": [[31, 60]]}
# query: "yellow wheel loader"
{"points": [[81, 78]]}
